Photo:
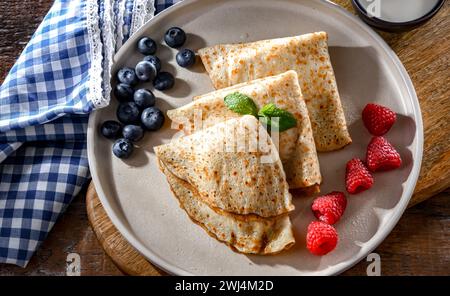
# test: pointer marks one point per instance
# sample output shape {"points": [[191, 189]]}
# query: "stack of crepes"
{"points": [[231, 64], [230, 180], [238, 191]]}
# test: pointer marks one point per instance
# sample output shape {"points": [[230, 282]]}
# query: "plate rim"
{"points": [[377, 239]]}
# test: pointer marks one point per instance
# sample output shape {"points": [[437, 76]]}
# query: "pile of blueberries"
{"points": [[137, 112]]}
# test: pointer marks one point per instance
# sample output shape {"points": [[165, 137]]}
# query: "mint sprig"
{"points": [[241, 104], [276, 118], [273, 117]]}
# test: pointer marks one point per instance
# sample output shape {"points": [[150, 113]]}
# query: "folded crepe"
{"points": [[231, 64], [248, 234], [234, 166], [296, 145]]}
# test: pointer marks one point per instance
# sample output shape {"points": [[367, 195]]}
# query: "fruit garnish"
{"points": [[357, 177], [147, 45], [321, 238], [175, 37], [382, 156], [330, 207], [378, 119], [185, 58]]}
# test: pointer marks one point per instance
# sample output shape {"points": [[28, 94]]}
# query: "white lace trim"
{"points": [[108, 52], [120, 23], [102, 53], [95, 94], [143, 11]]}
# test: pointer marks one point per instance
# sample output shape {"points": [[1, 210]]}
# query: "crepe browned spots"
{"points": [[234, 166], [296, 145], [231, 64], [249, 234]]}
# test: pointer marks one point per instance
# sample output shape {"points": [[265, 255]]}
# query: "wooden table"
{"points": [[419, 245]]}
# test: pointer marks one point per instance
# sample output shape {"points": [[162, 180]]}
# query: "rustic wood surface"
{"points": [[419, 245]]}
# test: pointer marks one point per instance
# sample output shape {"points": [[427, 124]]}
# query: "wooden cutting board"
{"points": [[425, 52]]}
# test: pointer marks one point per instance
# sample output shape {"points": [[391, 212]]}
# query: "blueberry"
{"points": [[147, 45], [133, 133], [164, 81], [186, 58], [123, 92], [175, 37], [144, 98], [111, 129], [128, 113], [127, 75], [123, 148], [155, 61], [145, 71], [152, 119]]}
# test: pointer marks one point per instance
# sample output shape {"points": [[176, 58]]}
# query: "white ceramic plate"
{"points": [[136, 195]]}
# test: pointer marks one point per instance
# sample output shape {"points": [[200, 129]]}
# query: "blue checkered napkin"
{"points": [[62, 75]]}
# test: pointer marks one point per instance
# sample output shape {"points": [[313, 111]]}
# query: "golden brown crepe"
{"points": [[231, 64], [248, 234], [296, 145], [234, 166]]}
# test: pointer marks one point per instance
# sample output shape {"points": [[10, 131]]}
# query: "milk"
{"points": [[398, 11]]}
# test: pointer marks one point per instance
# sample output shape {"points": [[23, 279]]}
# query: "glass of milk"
{"points": [[394, 15]]}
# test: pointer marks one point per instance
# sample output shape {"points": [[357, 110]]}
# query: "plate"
{"points": [[136, 195]]}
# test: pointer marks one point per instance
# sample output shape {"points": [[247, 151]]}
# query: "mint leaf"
{"points": [[270, 115], [270, 112], [241, 104]]}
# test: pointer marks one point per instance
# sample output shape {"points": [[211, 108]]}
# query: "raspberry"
{"points": [[329, 208], [382, 156], [378, 119], [321, 238], [357, 177]]}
